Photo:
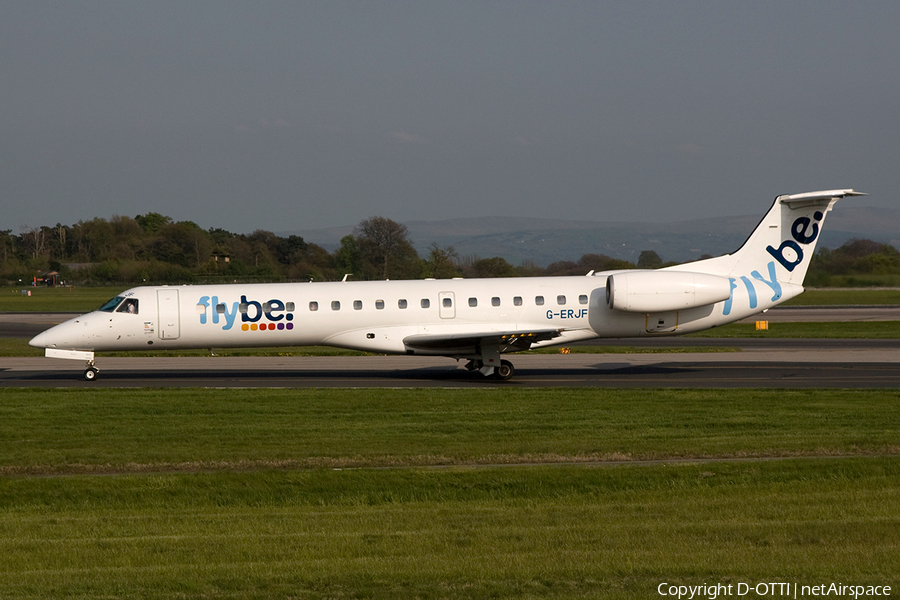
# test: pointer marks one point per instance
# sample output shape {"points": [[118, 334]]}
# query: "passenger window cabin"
{"points": [[131, 305]]}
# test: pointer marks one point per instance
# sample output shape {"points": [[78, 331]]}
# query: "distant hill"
{"points": [[543, 241]]}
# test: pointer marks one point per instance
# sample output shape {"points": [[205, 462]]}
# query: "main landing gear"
{"points": [[91, 372], [503, 373]]}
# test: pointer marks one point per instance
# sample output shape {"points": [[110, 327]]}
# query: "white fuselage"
{"points": [[377, 316], [478, 319]]}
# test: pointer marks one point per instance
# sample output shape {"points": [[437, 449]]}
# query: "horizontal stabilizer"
{"points": [[811, 198]]}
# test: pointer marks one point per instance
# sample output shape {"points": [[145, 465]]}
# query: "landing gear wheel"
{"points": [[505, 371], [90, 374]]}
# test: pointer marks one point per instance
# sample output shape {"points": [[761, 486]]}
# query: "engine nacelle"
{"points": [[663, 291]]}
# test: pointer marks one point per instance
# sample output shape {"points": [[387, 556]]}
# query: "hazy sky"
{"points": [[299, 115]]}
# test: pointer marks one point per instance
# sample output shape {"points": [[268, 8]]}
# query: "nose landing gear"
{"points": [[91, 372]]}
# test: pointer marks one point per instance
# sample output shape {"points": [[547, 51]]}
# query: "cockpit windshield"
{"points": [[110, 305]]}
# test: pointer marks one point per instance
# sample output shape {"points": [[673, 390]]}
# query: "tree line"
{"points": [[857, 263], [153, 248]]}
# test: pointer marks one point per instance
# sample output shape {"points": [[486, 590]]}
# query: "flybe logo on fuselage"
{"points": [[272, 315], [789, 254]]}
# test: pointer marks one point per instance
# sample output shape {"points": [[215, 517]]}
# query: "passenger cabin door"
{"points": [[447, 303], [169, 319]]}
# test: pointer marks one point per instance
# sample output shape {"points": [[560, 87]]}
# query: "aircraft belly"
{"points": [[383, 340]]}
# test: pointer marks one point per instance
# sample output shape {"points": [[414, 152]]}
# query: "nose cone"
{"points": [[64, 335], [39, 341], [46, 339]]}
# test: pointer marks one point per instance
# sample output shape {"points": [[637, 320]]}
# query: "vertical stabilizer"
{"points": [[786, 237]]}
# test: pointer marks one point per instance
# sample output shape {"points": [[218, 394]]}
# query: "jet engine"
{"points": [[661, 291]]}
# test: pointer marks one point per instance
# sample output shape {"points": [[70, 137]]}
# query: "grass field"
{"points": [[500, 493], [51, 432], [43, 299], [846, 297], [832, 329], [443, 493]]}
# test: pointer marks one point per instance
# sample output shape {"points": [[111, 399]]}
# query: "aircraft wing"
{"points": [[451, 344]]}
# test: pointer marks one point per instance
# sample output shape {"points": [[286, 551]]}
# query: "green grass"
{"points": [[18, 347], [62, 431], [495, 533], [252, 494], [44, 299], [846, 297], [834, 330]]}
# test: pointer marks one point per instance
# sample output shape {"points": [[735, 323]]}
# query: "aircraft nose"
{"points": [[45, 339], [59, 336]]}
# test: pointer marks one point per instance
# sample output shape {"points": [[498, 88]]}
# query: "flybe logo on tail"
{"points": [[789, 254], [255, 316]]}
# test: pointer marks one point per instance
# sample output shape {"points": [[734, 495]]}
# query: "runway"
{"points": [[859, 367], [757, 363]]}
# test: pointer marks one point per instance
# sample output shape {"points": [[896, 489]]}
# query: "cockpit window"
{"points": [[130, 306], [110, 305]]}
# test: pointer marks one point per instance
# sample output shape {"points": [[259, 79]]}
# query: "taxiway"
{"points": [[756, 363]]}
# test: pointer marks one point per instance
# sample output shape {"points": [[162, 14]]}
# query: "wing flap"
{"points": [[453, 344]]}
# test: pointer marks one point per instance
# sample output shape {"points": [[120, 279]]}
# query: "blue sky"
{"points": [[300, 115]]}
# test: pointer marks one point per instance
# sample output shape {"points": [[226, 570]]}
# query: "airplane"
{"points": [[477, 320]]}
